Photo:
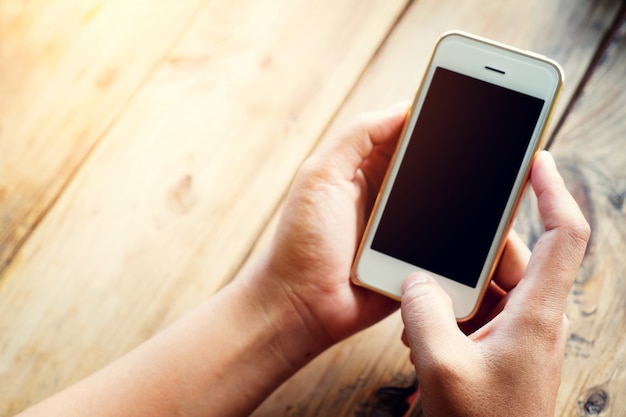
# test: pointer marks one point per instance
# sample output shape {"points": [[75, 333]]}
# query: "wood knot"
{"points": [[595, 400], [617, 200], [181, 197], [389, 401], [106, 78]]}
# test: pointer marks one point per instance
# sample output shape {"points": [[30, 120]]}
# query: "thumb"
{"points": [[430, 326]]}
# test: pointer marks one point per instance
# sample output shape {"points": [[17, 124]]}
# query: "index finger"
{"points": [[512, 264], [559, 251]]}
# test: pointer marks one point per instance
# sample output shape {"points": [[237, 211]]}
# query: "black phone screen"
{"points": [[457, 175]]}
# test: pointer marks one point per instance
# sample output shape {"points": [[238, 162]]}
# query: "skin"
{"points": [[511, 364], [226, 356]]}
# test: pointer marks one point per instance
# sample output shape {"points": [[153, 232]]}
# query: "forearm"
{"points": [[225, 357], [221, 359]]}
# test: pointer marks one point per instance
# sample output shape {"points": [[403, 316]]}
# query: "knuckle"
{"points": [[545, 327], [579, 232], [574, 230], [312, 173], [440, 367]]}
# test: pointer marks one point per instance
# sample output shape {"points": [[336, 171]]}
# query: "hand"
{"points": [[276, 315], [324, 217], [511, 365]]}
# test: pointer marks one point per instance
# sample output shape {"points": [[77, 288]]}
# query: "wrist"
{"points": [[294, 333], [249, 338]]}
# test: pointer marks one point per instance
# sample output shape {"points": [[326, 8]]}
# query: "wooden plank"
{"points": [[558, 29], [567, 31], [68, 69], [167, 206], [589, 149]]}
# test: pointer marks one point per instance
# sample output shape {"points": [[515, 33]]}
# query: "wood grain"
{"points": [[569, 32], [68, 68], [166, 207], [589, 151], [163, 135]]}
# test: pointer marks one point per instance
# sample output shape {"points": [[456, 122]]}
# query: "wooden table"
{"points": [[145, 148]]}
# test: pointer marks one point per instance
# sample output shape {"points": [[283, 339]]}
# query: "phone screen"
{"points": [[456, 175]]}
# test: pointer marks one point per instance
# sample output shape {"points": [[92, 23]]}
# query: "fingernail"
{"points": [[415, 278]]}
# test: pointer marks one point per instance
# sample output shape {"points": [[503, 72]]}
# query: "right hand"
{"points": [[511, 365]]}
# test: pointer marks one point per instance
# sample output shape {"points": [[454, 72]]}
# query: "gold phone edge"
{"points": [[519, 191]]}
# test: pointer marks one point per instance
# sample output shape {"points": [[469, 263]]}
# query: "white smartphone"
{"points": [[460, 168]]}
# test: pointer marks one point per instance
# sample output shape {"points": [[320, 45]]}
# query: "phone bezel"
{"points": [[467, 54]]}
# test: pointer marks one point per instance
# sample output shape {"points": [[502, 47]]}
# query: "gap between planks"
{"points": [[604, 46], [273, 214]]}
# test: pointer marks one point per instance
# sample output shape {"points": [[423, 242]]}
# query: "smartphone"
{"points": [[453, 185]]}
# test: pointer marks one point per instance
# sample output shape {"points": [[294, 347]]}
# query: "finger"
{"points": [[430, 325], [346, 152], [510, 270], [375, 164], [512, 264], [404, 338], [490, 306], [560, 249]]}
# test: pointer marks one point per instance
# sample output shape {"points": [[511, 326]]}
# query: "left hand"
{"points": [[323, 220], [226, 356]]}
